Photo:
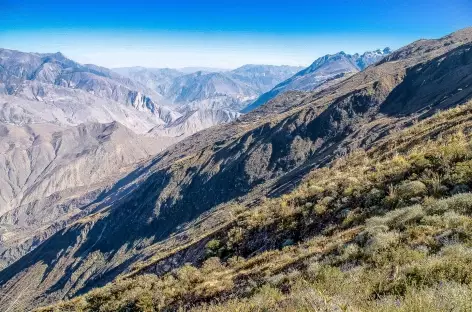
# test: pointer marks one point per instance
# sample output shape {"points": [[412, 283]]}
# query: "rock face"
{"points": [[255, 155], [325, 69]]}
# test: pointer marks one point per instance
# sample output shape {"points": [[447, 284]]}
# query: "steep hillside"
{"points": [[71, 107], [326, 69], [386, 230], [242, 161], [49, 173]]}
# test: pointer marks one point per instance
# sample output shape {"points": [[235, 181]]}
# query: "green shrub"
{"points": [[320, 209], [213, 247], [399, 218], [410, 189], [462, 172], [460, 203], [381, 241], [374, 197]]}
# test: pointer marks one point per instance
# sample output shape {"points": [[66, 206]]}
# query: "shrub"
{"points": [[462, 172], [212, 248], [320, 209], [381, 241], [460, 203], [411, 189], [211, 265], [349, 252], [315, 190], [398, 218], [374, 197]]}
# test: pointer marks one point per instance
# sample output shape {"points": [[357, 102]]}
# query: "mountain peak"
{"points": [[324, 69]]}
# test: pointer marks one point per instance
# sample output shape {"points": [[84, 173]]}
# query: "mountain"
{"points": [[327, 69], [194, 121], [19, 68], [157, 79], [211, 195], [263, 77], [50, 87], [48, 173], [210, 89], [69, 131]]}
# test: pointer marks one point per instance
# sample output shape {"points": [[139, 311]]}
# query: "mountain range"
{"points": [[69, 131], [315, 181], [211, 89], [329, 68]]}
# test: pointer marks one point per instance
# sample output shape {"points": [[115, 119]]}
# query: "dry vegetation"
{"points": [[388, 230]]}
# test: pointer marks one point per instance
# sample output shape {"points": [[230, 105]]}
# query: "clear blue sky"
{"points": [[221, 33]]}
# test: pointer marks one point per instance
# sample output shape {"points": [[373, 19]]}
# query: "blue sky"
{"points": [[221, 33]]}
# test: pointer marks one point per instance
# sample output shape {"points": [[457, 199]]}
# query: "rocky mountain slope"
{"points": [[49, 173], [205, 175], [194, 121], [386, 229], [19, 68], [67, 131], [326, 69]]}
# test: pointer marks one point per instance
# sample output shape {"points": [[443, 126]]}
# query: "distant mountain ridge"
{"points": [[51, 88], [228, 89], [326, 68], [18, 68]]}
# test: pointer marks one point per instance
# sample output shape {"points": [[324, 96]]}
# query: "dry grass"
{"points": [[383, 231]]}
